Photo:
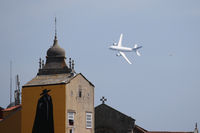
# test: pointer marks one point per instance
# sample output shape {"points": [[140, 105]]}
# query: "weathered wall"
{"points": [[30, 96], [12, 123], [80, 105]]}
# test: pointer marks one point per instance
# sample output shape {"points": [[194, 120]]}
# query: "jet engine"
{"points": [[115, 44], [118, 54]]}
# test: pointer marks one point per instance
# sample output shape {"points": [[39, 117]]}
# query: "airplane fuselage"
{"points": [[120, 48]]}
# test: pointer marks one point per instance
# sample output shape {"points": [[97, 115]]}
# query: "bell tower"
{"points": [[59, 90]]}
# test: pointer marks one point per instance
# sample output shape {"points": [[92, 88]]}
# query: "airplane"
{"points": [[121, 49]]}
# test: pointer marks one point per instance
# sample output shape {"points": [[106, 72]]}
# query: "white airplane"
{"points": [[118, 47]]}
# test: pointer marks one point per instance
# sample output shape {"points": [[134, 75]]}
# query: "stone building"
{"points": [[110, 120]]}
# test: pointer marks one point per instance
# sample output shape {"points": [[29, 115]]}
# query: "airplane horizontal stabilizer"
{"points": [[137, 52], [135, 48]]}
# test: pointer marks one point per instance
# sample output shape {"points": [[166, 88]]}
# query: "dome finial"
{"points": [[55, 30]]}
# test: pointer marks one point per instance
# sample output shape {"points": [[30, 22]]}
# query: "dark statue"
{"points": [[44, 114]]}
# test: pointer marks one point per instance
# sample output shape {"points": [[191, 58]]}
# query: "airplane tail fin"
{"points": [[136, 49], [135, 46]]}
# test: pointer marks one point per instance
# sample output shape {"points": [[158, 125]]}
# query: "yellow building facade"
{"points": [[11, 122], [71, 96]]}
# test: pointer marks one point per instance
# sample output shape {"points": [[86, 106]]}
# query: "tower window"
{"points": [[71, 131], [71, 118], [80, 93], [88, 120]]}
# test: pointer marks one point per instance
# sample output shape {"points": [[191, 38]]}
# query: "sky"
{"points": [[161, 89]]}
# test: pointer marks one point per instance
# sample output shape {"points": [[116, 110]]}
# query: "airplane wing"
{"points": [[120, 40], [122, 54]]}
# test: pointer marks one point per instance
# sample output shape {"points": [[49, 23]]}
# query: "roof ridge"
{"points": [[114, 110]]}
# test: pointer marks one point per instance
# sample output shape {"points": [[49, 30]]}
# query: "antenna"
{"points": [[18, 83], [17, 91], [10, 81]]}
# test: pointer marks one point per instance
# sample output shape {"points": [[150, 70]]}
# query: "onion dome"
{"points": [[55, 60], [56, 50]]}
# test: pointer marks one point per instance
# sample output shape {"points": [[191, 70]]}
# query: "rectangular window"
{"points": [[71, 118], [71, 131], [80, 91], [88, 120]]}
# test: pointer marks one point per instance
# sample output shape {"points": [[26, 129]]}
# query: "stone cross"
{"points": [[103, 99]]}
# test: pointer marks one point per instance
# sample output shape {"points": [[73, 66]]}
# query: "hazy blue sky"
{"points": [[161, 89]]}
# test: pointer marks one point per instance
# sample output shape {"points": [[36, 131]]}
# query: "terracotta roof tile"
{"points": [[11, 108], [140, 129]]}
